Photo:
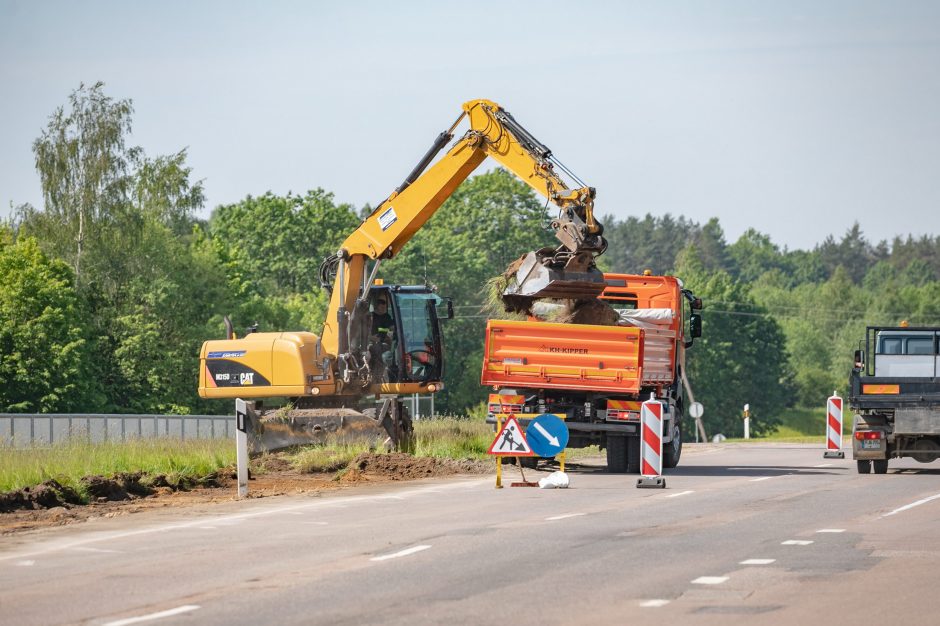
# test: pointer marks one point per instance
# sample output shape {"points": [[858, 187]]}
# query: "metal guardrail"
{"points": [[21, 430]]}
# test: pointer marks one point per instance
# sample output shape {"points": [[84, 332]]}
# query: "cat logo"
{"points": [[247, 378]]}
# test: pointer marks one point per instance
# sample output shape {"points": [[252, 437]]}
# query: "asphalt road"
{"points": [[742, 534]]}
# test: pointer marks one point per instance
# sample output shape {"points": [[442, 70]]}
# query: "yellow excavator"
{"points": [[381, 342]]}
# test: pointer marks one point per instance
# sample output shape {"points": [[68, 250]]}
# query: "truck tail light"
{"points": [[621, 415], [869, 434]]}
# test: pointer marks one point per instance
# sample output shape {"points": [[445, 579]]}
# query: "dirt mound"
{"points": [[400, 466], [596, 312], [46, 495], [123, 486]]}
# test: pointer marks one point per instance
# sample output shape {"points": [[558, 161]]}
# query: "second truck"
{"points": [[895, 394]]}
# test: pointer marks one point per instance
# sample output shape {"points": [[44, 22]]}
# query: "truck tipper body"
{"points": [[895, 396], [598, 375]]}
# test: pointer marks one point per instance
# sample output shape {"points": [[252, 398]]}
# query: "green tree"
{"points": [[741, 357], [649, 243], [276, 243], [83, 162], [43, 352]]}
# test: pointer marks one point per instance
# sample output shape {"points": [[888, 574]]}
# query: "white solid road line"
{"points": [[146, 618], [824, 465], [796, 542], [395, 555], [831, 530], [757, 480], [59, 544], [25, 563], [758, 562], [911, 505], [709, 580], [654, 604], [566, 516], [103, 550], [681, 493]]}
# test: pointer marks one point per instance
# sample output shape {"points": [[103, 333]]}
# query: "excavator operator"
{"points": [[381, 337]]}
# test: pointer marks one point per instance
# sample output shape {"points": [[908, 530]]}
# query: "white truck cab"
{"points": [[907, 353]]}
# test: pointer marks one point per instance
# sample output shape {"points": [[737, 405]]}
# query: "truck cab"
{"points": [[895, 395]]}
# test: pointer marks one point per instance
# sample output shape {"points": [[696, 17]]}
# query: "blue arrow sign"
{"points": [[547, 435]]}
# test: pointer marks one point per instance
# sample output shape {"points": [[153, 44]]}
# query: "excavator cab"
{"points": [[405, 342]]}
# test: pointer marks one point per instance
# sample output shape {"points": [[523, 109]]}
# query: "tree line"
{"points": [[109, 288]]}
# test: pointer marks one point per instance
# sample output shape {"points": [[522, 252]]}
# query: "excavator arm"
{"points": [[564, 272]]}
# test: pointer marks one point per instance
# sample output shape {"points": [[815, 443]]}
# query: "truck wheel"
{"points": [[633, 455], [673, 450], [880, 465], [864, 467], [616, 454]]}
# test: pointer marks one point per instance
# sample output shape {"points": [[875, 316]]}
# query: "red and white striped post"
{"points": [[834, 428], [651, 444]]}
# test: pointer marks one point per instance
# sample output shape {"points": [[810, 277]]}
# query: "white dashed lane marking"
{"points": [[401, 553], [831, 530], [558, 517], [25, 563], [757, 480], [653, 604], [681, 493], [796, 542], [758, 562], [709, 580], [152, 616]]}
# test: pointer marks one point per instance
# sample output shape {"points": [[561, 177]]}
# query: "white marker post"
{"points": [[747, 421], [241, 445], [651, 445], [834, 428]]}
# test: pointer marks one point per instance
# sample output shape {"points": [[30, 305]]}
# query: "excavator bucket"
{"points": [[538, 278], [278, 429]]}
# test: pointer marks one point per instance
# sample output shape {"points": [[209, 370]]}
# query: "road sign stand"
{"points": [[550, 436], [651, 445], [834, 428]]}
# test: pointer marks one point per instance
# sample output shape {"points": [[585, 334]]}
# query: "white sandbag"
{"points": [[555, 480]]}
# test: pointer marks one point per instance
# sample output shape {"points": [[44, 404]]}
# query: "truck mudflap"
{"points": [[563, 356]]}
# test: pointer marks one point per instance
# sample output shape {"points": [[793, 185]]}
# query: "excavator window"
{"points": [[421, 340]]}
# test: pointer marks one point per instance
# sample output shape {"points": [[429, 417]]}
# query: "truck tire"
{"points": [[673, 450], [880, 466], [616, 454], [633, 455], [864, 467]]}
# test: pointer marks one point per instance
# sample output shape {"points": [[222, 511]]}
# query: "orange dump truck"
{"points": [[598, 375]]}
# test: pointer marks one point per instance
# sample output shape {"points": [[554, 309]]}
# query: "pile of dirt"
{"points": [[593, 311], [47, 495], [400, 466]]}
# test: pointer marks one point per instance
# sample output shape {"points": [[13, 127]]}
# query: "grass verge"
{"points": [[69, 462]]}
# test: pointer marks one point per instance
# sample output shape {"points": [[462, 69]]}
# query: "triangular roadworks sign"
{"points": [[510, 441]]}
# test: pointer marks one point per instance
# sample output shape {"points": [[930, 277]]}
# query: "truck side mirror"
{"points": [[450, 309], [695, 325], [859, 360]]}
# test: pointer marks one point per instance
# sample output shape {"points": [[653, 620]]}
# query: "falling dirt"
{"points": [[54, 504]]}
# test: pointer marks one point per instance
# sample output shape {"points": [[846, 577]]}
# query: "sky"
{"points": [[794, 118]]}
